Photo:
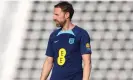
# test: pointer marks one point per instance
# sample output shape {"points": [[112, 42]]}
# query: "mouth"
{"points": [[57, 23]]}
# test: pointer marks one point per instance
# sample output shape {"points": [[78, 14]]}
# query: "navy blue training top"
{"points": [[67, 48]]}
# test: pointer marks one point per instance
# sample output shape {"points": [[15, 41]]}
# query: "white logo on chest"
{"points": [[56, 41]]}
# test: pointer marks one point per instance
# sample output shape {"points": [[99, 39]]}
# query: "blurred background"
{"points": [[25, 27]]}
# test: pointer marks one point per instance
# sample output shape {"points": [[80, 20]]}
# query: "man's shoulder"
{"points": [[81, 30], [55, 32]]}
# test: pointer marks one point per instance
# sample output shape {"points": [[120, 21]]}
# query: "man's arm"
{"points": [[47, 66], [87, 66]]}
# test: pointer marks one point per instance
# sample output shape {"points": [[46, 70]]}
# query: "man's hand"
{"points": [[87, 66], [47, 66]]}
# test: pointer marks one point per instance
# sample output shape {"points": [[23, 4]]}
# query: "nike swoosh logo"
{"points": [[56, 41]]}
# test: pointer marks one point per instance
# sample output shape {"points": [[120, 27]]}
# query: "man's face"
{"points": [[59, 17]]}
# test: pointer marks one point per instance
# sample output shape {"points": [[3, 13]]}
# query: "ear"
{"points": [[67, 15]]}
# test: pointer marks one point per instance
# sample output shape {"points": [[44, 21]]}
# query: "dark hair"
{"points": [[66, 7]]}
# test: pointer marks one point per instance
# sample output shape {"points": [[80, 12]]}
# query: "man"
{"points": [[67, 47]]}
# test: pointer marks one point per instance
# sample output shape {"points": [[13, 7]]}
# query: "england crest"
{"points": [[71, 40]]}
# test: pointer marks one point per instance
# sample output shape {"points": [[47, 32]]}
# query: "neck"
{"points": [[68, 25]]}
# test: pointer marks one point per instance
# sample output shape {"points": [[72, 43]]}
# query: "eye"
{"points": [[56, 14]]}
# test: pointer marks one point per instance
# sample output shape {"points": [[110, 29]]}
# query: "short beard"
{"points": [[60, 24], [57, 25]]}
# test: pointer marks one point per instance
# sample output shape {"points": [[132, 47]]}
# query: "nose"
{"points": [[54, 18]]}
